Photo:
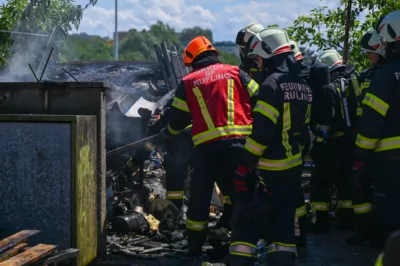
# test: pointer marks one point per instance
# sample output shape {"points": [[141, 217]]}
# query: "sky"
{"points": [[224, 17]]}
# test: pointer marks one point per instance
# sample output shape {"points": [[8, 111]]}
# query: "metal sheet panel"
{"points": [[35, 171]]}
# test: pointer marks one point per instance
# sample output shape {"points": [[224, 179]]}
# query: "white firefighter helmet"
{"points": [[270, 42], [389, 28], [297, 53], [331, 58], [247, 32], [370, 42]]}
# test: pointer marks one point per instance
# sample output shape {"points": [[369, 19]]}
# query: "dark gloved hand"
{"points": [[358, 170]]}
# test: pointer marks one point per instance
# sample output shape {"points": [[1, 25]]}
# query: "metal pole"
{"points": [[347, 32], [116, 32]]}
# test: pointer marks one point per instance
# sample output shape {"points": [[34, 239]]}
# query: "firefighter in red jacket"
{"points": [[218, 99]]}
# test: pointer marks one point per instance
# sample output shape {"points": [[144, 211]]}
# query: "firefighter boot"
{"points": [[322, 224], [196, 240], [364, 224], [301, 236], [225, 220], [281, 258]]}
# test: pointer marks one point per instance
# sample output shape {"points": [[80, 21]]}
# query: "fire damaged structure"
{"points": [[124, 105]]}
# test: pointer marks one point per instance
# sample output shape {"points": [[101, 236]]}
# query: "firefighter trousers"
{"points": [[387, 195], [301, 224], [363, 201], [280, 229], [212, 164], [333, 165], [176, 163]]}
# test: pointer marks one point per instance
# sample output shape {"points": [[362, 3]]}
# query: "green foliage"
{"points": [[325, 28], [186, 35], [229, 58], [78, 48], [42, 17], [136, 45], [10, 13]]}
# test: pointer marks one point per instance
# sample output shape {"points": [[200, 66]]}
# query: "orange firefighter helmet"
{"points": [[197, 46]]}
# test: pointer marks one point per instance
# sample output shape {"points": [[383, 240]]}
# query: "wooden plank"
{"points": [[11, 252], [16, 239], [31, 255], [59, 256]]}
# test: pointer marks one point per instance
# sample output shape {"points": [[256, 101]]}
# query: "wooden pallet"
{"points": [[14, 251]]}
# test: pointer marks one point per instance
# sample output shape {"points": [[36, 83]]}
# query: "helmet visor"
{"points": [[240, 38]]}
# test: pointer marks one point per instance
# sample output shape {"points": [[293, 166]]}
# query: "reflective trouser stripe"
{"points": [[171, 195], [320, 206], [242, 249], [279, 247], [362, 208], [227, 200], [345, 204], [379, 261], [280, 165], [196, 225], [301, 211]]}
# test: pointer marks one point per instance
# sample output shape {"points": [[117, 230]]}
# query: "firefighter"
{"points": [[283, 108], [299, 58], [217, 99], [362, 195], [378, 138], [177, 158], [243, 40], [333, 157], [301, 224]]}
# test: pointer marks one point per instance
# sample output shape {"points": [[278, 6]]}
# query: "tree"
{"points": [[186, 35], [77, 48], [229, 58], [325, 27], [39, 17]]}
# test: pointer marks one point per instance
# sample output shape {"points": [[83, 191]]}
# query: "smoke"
{"points": [[35, 37], [130, 84]]}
